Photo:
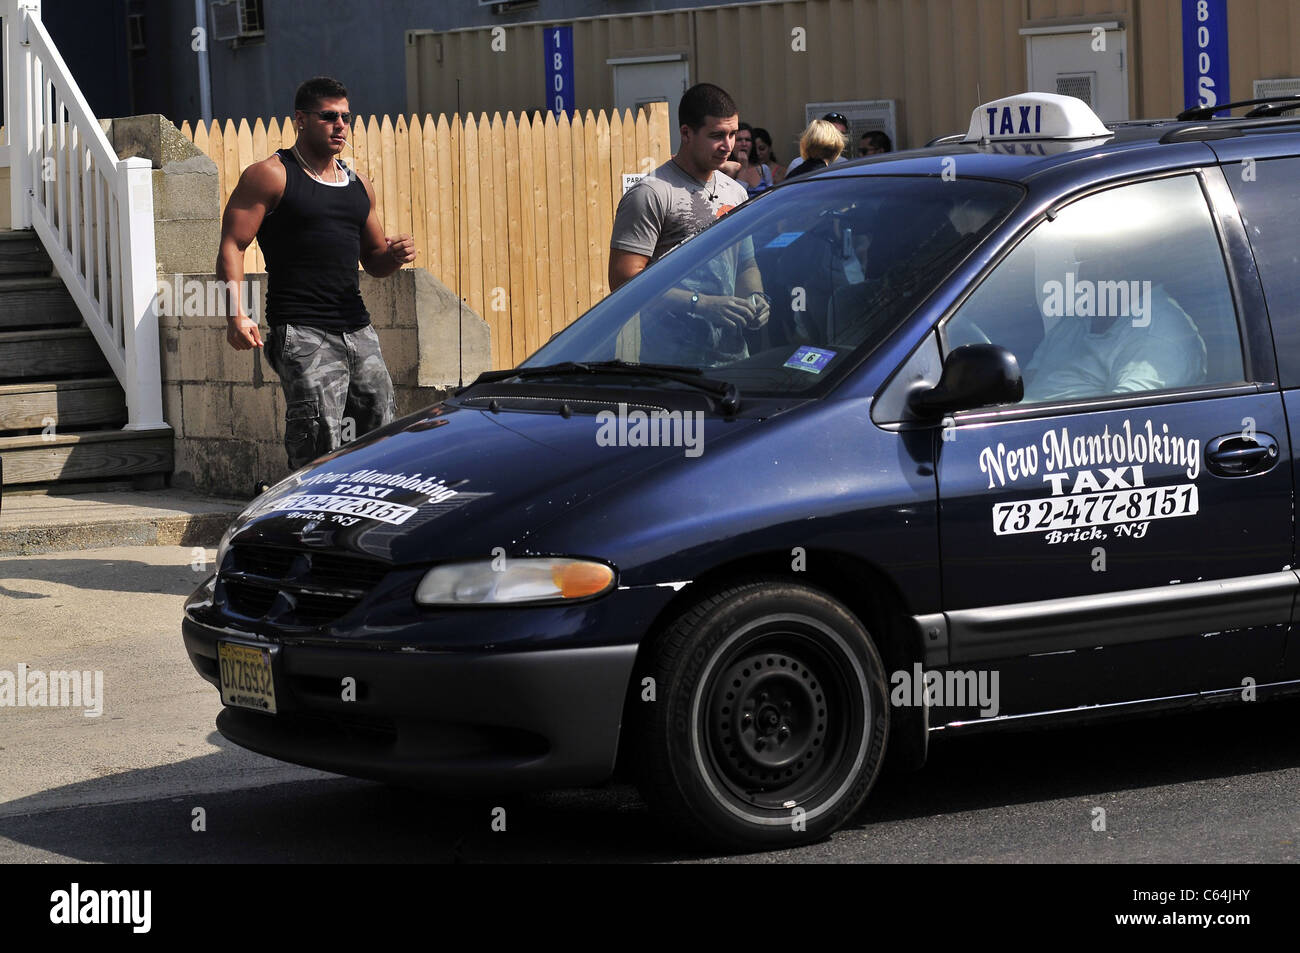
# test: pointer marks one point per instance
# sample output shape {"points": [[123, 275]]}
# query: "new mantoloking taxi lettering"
{"points": [[362, 493], [1130, 446], [435, 489]]}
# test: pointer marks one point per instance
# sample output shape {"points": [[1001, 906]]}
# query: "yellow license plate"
{"points": [[246, 678]]}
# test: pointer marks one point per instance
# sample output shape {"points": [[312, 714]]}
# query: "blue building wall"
{"points": [[91, 37]]}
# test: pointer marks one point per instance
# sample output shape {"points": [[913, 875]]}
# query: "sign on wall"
{"points": [[1205, 52], [558, 41]]}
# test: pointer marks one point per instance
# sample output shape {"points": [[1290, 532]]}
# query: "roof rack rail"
{"points": [[1201, 133], [1270, 106]]}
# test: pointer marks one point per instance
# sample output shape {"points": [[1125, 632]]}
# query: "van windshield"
{"points": [[781, 293]]}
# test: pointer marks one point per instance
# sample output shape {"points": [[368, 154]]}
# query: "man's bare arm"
{"points": [[259, 190], [381, 255], [624, 266]]}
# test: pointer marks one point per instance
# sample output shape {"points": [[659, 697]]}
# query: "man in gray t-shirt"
{"points": [[668, 206], [703, 318]]}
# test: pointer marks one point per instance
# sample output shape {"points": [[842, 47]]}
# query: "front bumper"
{"points": [[438, 719]]}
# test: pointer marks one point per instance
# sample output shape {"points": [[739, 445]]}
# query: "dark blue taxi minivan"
{"points": [[1005, 444]]}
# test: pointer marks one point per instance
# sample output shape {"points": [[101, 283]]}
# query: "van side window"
{"points": [[1268, 195], [1125, 291]]}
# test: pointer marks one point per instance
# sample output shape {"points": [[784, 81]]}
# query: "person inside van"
{"points": [[1152, 345]]}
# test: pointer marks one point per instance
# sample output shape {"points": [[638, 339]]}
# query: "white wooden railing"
{"points": [[92, 211]]}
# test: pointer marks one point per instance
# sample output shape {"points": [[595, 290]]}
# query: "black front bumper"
{"points": [[439, 719]]}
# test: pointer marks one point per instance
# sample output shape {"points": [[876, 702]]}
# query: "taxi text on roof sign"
{"points": [[1035, 116]]}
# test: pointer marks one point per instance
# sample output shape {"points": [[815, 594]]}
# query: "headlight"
{"points": [[527, 579]]}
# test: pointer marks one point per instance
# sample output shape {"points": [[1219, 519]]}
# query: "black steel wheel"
{"points": [[770, 718]]}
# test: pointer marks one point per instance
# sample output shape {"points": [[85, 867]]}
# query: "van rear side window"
{"points": [[1268, 200]]}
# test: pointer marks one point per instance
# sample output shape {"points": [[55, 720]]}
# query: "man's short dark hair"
{"points": [[878, 140], [310, 93], [704, 99]]}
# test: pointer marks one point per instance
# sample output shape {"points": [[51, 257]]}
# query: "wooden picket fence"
{"points": [[513, 215]]}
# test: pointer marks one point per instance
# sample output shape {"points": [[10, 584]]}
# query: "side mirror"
{"points": [[974, 375]]}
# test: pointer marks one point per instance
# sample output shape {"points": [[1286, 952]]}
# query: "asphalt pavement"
{"points": [[130, 784]]}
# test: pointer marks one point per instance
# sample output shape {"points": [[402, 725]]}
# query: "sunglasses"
{"points": [[836, 117], [329, 115]]}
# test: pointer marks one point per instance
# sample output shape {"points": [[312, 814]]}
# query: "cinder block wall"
{"points": [[227, 406]]}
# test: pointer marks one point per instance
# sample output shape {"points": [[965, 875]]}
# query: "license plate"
{"points": [[246, 677]]}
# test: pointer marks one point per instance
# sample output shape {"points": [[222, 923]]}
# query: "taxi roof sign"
{"points": [[1035, 116]]}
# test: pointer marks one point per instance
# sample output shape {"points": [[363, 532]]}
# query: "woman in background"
{"points": [[820, 145], [754, 176], [763, 153]]}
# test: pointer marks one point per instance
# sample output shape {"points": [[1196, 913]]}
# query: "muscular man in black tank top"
{"points": [[314, 219]]}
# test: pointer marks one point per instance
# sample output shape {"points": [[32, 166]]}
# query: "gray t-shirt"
{"points": [[657, 214], [668, 206]]}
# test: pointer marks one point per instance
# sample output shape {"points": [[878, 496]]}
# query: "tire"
{"points": [[770, 719]]}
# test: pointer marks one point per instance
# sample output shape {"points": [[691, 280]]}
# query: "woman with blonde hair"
{"points": [[820, 145]]}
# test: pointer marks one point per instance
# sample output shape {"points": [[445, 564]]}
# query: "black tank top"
{"points": [[312, 244]]}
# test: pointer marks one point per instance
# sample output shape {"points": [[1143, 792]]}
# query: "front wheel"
{"points": [[770, 718]]}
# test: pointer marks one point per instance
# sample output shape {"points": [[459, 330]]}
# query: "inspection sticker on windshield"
{"points": [[810, 359], [785, 238]]}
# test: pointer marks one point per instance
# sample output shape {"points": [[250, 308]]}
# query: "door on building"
{"points": [[1089, 62], [641, 80]]}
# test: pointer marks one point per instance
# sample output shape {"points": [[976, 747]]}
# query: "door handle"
{"points": [[1238, 454]]}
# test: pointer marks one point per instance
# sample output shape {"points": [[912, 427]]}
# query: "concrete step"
{"points": [[39, 523], [21, 253], [46, 458], [50, 353], [27, 304], [64, 405]]}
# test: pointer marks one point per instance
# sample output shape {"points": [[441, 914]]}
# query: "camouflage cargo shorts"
{"points": [[336, 387]]}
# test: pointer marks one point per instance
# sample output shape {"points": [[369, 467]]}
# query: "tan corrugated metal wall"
{"points": [[937, 58], [917, 52]]}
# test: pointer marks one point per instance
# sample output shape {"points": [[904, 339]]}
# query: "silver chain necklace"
{"points": [[311, 172]]}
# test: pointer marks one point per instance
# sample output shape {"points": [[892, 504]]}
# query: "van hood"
{"points": [[453, 483]]}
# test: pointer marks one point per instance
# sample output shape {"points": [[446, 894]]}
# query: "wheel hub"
{"points": [[768, 719]]}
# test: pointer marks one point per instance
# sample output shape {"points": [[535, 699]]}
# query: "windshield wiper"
{"points": [[727, 394]]}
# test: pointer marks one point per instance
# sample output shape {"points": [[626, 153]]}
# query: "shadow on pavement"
{"points": [[332, 820], [1014, 768], [105, 575], [337, 820]]}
